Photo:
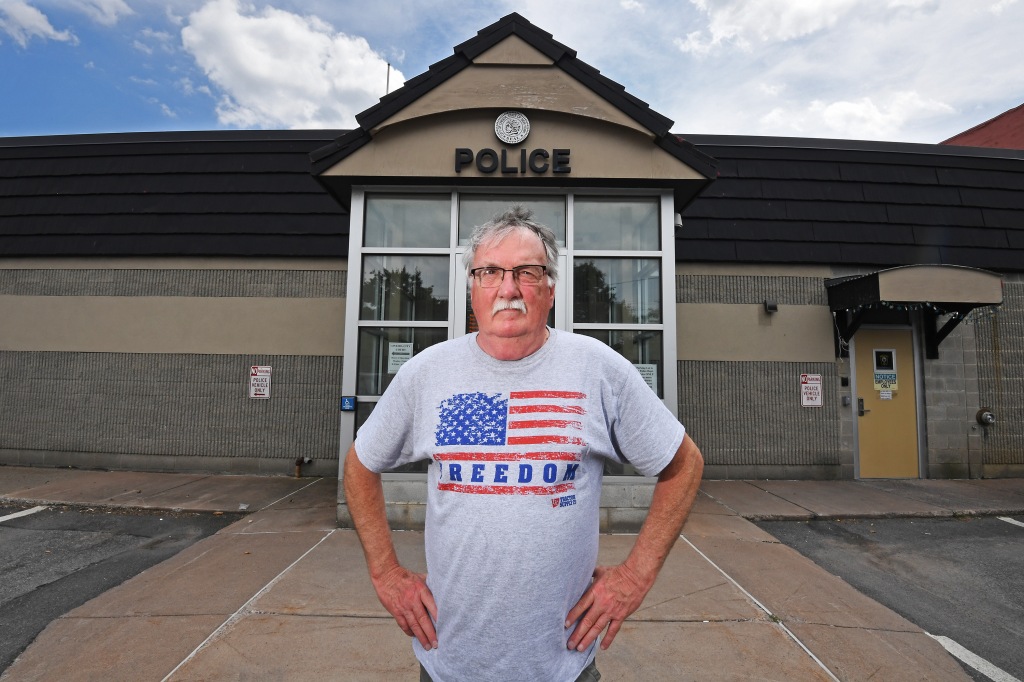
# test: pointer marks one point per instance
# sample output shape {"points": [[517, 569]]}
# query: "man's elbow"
{"points": [[355, 473], [695, 456], [688, 462]]}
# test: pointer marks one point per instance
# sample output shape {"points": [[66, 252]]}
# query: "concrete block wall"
{"points": [[168, 412], [951, 400], [999, 345], [749, 423], [740, 394], [93, 375]]}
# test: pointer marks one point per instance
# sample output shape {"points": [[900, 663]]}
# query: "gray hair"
{"points": [[516, 218]]}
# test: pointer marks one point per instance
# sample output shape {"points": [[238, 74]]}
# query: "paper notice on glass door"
{"points": [[650, 374], [398, 355]]}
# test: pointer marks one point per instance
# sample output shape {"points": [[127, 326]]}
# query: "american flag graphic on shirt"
{"points": [[517, 443]]}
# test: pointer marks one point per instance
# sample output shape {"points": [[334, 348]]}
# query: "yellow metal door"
{"points": [[887, 404]]}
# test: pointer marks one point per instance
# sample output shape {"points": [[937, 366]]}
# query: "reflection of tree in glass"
{"points": [[594, 298], [393, 294], [597, 300]]}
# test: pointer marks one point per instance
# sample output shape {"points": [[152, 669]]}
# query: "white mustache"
{"points": [[508, 304]]}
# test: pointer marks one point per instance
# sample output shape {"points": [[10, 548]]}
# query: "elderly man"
{"points": [[517, 420]]}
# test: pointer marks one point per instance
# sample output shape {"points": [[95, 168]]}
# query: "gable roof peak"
{"points": [[466, 54], [517, 25]]}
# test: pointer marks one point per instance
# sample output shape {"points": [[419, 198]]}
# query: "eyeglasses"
{"points": [[490, 277]]}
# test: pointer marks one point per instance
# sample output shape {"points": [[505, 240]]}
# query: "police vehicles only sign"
{"points": [[810, 390], [259, 381]]}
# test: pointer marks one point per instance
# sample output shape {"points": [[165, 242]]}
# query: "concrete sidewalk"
{"points": [[283, 594]]}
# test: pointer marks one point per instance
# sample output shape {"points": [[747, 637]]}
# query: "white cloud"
{"points": [[151, 40], [870, 118], [694, 43], [871, 69], [748, 25], [23, 22], [106, 12], [188, 88], [277, 68], [745, 24], [164, 108]]}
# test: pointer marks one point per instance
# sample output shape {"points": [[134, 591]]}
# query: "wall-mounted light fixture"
{"points": [[771, 306]]}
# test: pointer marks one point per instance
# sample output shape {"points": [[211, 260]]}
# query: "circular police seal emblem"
{"points": [[512, 127]]}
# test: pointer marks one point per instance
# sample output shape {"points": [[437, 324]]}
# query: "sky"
{"points": [[893, 70]]}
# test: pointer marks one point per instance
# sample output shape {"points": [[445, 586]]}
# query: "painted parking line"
{"points": [[1009, 520], [977, 662], [24, 512]]}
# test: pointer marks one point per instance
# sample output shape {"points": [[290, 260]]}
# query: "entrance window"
{"points": [[617, 290], [475, 210], [617, 282], [383, 350], [614, 280], [404, 287], [407, 220], [616, 224]]}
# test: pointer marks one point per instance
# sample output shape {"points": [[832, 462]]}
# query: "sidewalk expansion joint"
{"points": [[245, 609], [295, 492], [698, 620], [775, 619]]}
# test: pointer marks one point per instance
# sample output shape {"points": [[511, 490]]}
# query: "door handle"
{"points": [[860, 407]]}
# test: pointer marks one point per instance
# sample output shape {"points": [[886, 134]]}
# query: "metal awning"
{"points": [[936, 290]]}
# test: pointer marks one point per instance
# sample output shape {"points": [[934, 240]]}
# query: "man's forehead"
{"points": [[513, 240]]}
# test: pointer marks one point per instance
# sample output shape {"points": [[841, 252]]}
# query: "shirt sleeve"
{"points": [[385, 440], [645, 432]]}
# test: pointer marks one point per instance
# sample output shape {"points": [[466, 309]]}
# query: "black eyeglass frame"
{"points": [[476, 274]]}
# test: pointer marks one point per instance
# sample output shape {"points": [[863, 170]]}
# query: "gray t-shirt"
{"points": [[514, 489]]}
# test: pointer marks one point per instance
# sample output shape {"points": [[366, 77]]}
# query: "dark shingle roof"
{"points": [[250, 193], [784, 200], [563, 58], [185, 193]]}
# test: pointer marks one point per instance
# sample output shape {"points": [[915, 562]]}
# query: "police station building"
{"points": [[237, 301]]}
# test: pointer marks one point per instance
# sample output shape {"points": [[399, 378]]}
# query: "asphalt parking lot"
{"points": [[957, 578], [54, 558]]}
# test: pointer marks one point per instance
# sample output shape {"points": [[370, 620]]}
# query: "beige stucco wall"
{"points": [[728, 321], [425, 147], [709, 331], [533, 89], [155, 305], [173, 325], [172, 263]]}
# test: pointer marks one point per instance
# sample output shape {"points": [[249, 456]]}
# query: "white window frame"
{"points": [[458, 279]]}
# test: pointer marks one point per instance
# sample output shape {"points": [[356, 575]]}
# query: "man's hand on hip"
{"points": [[406, 597], [617, 591]]}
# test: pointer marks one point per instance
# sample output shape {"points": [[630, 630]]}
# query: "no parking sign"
{"points": [[259, 381], [810, 390]]}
